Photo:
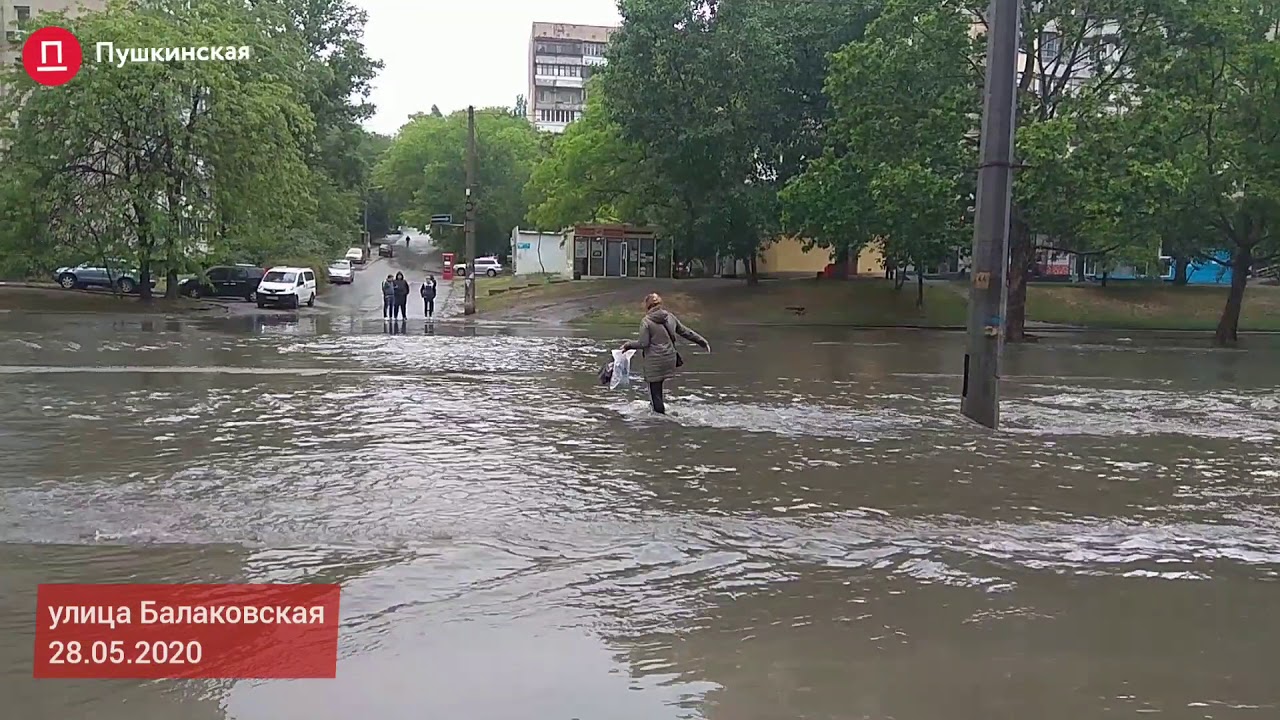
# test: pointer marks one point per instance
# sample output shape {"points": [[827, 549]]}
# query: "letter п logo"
{"points": [[52, 56]]}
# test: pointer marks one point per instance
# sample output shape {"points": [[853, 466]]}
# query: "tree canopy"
{"points": [[423, 173], [173, 164]]}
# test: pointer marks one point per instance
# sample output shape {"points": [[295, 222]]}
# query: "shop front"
{"points": [[620, 251]]}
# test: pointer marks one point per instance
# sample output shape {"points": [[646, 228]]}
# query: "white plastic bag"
{"points": [[621, 369]]}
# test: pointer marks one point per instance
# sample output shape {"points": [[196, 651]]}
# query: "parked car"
{"points": [[355, 256], [384, 250], [86, 275], [484, 266], [238, 280], [287, 287], [341, 271]]}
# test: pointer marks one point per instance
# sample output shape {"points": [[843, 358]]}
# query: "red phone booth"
{"points": [[447, 259]]}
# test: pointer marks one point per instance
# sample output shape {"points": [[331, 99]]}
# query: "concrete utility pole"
{"points": [[989, 297], [469, 222]]}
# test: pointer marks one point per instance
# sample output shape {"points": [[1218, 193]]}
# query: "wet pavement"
{"points": [[813, 533]]}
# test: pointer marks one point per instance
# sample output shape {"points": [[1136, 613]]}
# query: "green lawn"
{"points": [[1150, 306], [875, 303]]}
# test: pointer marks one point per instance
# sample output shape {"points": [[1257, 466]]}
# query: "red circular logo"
{"points": [[52, 56]]}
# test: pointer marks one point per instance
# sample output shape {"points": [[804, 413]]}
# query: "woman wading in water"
{"points": [[657, 343]]}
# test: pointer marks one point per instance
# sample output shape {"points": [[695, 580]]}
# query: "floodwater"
{"points": [[814, 533]]}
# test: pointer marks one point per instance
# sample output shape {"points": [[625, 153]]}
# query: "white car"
{"points": [[355, 256], [484, 266], [340, 271], [287, 287]]}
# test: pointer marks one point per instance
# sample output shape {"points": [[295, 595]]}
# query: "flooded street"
{"points": [[814, 533]]}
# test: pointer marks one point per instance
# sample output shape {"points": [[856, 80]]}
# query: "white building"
{"points": [[561, 58], [537, 253]]}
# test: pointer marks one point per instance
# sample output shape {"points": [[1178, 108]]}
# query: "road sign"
{"points": [[441, 219]]}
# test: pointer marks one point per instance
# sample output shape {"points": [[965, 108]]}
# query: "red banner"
{"points": [[187, 631]]}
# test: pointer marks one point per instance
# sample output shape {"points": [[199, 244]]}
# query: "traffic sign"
{"points": [[441, 219]]}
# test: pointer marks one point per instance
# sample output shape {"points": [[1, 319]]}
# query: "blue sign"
{"points": [[523, 246]]}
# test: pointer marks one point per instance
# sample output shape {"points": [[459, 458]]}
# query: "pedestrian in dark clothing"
{"points": [[657, 343], [429, 295], [388, 297], [401, 297]]}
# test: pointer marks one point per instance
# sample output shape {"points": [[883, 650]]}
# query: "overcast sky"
{"points": [[455, 53]]}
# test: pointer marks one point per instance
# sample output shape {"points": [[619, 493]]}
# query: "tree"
{"points": [[335, 78], [154, 161], [724, 99], [898, 164], [591, 174], [424, 172], [435, 111], [1210, 103]]}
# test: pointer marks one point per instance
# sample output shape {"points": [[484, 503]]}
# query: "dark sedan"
{"points": [[240, 281]]}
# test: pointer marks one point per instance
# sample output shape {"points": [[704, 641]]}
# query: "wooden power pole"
{"points": [[988, 297], [469, 221]]}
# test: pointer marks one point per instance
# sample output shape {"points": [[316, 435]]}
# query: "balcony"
{"points": [[557, 81]]}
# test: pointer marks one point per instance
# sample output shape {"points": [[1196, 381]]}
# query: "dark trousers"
{"points": [[655, 395], [429, 306], [402, 307], [388, 306]]}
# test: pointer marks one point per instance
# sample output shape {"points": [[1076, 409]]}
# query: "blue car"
{"points": [[87, 275]]}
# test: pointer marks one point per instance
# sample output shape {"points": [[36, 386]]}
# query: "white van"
{"points": [[287, 287]]}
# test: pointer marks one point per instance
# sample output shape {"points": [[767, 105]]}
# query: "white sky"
{"points": [[455, 53]]}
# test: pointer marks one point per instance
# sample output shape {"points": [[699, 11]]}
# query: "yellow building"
{"points": [[787, 257]]}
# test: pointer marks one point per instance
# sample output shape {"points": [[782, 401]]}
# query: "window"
{"points": [[276, 276], [308, 276], [593, 49], [558, 70], [23, 12], [557, 48], [1050, 47], [218, 274]]}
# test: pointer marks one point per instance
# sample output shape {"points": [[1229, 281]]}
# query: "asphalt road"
{"points": [[363, 297]]}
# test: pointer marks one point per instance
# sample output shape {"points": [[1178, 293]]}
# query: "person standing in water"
{"points": [[401, 290], [429, 295], [657, 343], [388, 297]]}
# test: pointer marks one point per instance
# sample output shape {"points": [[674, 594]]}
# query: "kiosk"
{"points": [[447, 260]]}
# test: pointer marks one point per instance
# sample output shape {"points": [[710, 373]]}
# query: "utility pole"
{"points": [[469, 222], [988, 297]]}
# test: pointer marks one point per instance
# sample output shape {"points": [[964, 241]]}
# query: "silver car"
{"points": [[341, 271]]}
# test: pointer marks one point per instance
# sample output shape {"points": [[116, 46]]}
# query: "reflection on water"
{"points": [[812, 533]]}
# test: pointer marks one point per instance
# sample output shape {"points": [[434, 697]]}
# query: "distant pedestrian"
{"points": [[429, 295], [657, 342], [401, 290], [388, 297]]}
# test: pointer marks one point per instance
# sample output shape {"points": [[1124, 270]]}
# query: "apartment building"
{"points": [[561, 59], [15, 13]]}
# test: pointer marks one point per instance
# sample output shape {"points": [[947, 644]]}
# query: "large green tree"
{"points": [[423, 173], [593, 174], [724, 98], [1211, 104], [897, 169], [154, 162]]}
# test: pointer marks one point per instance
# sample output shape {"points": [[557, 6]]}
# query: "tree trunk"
{"points": [[1227, 334], [919, 290], [171, 284], [752, 277], [1103, 280], [1021, 253], [1180, 265], [899, 278]]}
